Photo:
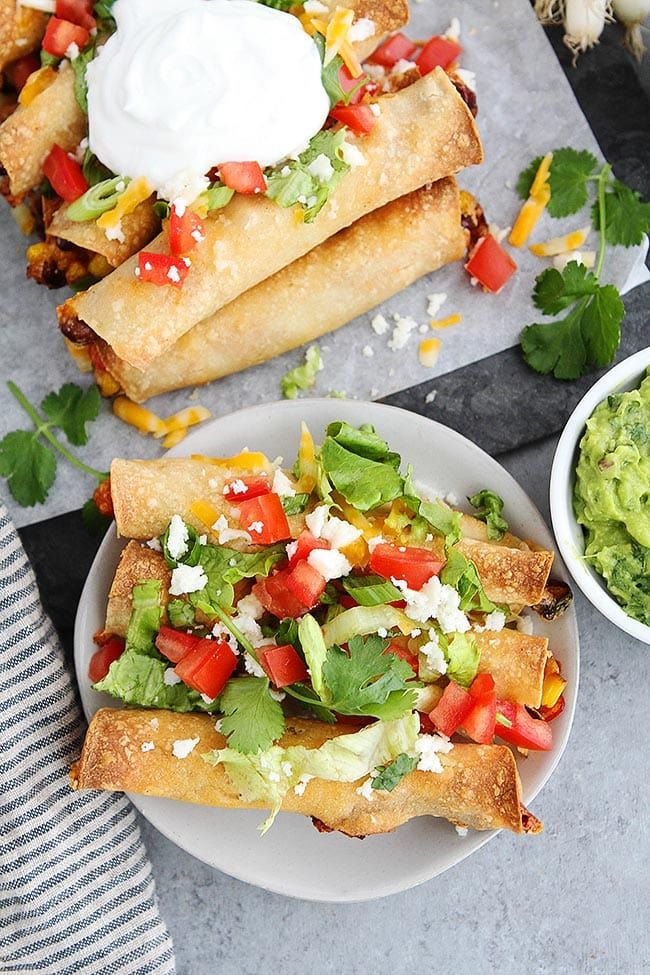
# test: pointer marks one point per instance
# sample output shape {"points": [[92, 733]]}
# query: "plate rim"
{"points": [[297, 406]]}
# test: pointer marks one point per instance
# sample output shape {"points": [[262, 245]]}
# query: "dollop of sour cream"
{"points": [[183, 85]]}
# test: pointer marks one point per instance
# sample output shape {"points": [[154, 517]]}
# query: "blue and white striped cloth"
{"points": [[76, 891]]}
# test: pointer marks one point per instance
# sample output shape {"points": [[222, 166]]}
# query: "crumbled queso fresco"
{"points": [[429, 747], [434, 601], [183, 747]]}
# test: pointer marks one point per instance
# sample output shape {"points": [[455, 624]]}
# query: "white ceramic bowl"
{"points": [[293, 858], [568, 533]]}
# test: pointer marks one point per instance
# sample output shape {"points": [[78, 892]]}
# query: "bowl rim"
{"points": [[568, 533]]}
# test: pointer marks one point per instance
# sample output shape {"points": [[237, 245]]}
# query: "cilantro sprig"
{"points": [[589, 334], [28, 457]]}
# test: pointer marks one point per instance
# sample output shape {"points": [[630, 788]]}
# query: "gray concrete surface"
{"points": [[573, 900]]}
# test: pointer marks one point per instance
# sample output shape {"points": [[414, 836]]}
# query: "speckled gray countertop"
{"points": [[572, 900]]}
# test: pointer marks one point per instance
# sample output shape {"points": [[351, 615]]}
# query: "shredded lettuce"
{"points": [[79, 65], [268, 776], [489, 507], [315, 651], [331, 72], [302, 376], [462, 656], [364, 483], [462, 574], [216, 197], [146, 614], [293, 182]]}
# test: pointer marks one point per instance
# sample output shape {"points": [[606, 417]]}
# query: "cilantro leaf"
{"points": [[627, 217], [526, 178], [253, 719], [488, 509], [556, 347], [295, 504], [30, 468], [70, 409], [570, 172], [556, 290], [302, 376], [392, 774], [364, 680], [93, 519]]}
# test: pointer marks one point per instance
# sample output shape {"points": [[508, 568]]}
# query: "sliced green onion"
{"points": [[502, 720], [98, 199]]}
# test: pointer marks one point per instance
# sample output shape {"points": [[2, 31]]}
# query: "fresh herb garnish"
{"points": [[253, 719], [331, 75], [589, 334], [296, 504], [367, 681], [371, 590], [294, 182], [29, 464], [392, 774], [488, 509], [302, 376], [461, 573]]}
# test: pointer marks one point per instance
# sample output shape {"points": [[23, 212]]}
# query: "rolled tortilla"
{"points": [[345, 276], [479, 786], [423, 133], [513, 576], [29, 133], [515, 660], [21, 30], [138, 228]]}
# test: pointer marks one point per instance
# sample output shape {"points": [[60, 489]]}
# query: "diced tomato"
{"points": [[396, 48], [306, 543], [305, 583], [77, 12], [60, 34], [207, 667], [255, 486], [439, 52], [64, 174], [283, 665], [162, 268], [19, 71], [490, 264], [185, 231], [550, 713], [348, 84], [102, 659], [276, 598], [358, 118], [174, 644], [415, 566], [452, 708], [404, 654], [479, 723], [243, 177], [526, 731], [264, 518]]}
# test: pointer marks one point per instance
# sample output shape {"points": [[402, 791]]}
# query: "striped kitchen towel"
{"points": [[76, 891]]}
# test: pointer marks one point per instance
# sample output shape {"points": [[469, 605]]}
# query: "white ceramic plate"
{"points": [[570, 538], [293, 858]]}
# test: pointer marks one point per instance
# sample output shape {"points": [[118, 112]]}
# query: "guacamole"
{"points": [[612, 496]]}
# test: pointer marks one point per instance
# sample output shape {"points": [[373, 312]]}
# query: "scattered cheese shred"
{"points": [[429, 352], [205, 512], [560, 245], [541, 176], [350, 59], [531, 211], [337, 32], [138, 416], [528, 216], [248, 460], [37, 82], [447, 322], [136, 193], [175, 437], [188, 417]]}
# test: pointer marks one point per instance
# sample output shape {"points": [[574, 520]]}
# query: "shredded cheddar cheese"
{"points": [[337, 32], [205, 512], [429, 351], [138, 416], [350, 59], [528, 216], [447, 322], [560, 245], [37, 82], [175, 437], [188, 417], [541, 176], [136, 193], [248, 460]]}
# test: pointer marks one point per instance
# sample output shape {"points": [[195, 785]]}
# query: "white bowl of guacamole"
{"points": [[600, 495]]}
